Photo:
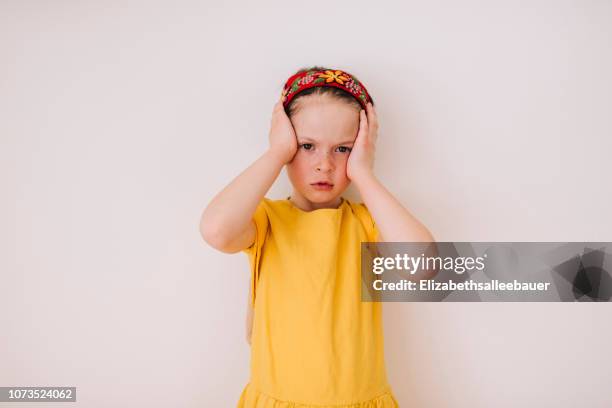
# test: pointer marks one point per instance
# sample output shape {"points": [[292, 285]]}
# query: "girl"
{"points": [[314, 342]]}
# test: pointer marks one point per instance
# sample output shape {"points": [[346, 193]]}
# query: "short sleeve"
{"points": [[376, 233], [254, 252], [368, 222]]}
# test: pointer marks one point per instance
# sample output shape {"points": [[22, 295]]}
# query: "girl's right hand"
{"points": [[283, 140]]}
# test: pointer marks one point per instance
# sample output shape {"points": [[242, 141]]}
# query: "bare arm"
{"points": [[227, 222], [395, 223]]}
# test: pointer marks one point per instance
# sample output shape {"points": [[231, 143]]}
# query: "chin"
{"points": [[322, 196]]}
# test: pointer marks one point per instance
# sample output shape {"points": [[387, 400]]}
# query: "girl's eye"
{"points": [[341, 149]]}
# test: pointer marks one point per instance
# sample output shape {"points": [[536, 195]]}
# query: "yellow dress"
{"points": [[314, 344]]}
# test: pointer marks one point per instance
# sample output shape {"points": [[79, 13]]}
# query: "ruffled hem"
{"points": [[251, 398]]}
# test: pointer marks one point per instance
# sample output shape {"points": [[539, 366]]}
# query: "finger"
{"points": [[363, 123], [373, 118], [277, 107], [279, 104], [363, 118], [372, 114]]}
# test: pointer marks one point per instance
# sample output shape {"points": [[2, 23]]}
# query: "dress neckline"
{"points": [[292, 205]]}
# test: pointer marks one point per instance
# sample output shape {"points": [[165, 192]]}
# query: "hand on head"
{"points": [[361, 160], [283, 140]]}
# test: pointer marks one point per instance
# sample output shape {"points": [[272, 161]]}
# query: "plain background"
{"points": [[121, 120]]}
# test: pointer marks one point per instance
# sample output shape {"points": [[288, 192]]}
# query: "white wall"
{"points": [[120, 121]]}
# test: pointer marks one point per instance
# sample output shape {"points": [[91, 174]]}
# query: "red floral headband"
{"points": [[325, 77]]}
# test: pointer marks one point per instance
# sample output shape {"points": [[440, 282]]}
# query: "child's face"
{"points": [[326, 129]]}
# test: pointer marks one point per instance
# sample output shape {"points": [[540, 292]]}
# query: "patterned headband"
{"points": [[325, 77]]}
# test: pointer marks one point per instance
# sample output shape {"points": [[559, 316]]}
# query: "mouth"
{"points": [[322, 185]]}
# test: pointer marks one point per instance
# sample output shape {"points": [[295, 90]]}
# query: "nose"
{"points": [[324, 162]]}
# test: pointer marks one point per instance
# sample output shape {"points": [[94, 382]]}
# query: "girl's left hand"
{"points": [[361, 159]]}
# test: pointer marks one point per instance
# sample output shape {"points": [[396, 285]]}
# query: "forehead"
{"points": [[326, 120]]}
